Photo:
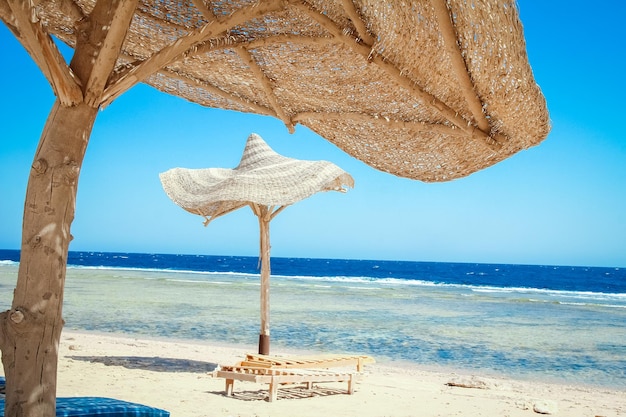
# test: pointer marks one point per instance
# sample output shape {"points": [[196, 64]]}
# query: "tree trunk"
{"points": [[30, 332]]}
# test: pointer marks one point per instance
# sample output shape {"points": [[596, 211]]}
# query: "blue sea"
{"points": [[553, 323]]}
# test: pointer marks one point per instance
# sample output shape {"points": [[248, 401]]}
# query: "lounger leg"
{"points": [[273, 390], [229, 386]]}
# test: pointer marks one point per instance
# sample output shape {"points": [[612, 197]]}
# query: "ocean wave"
{"points": [[560, 293], [193, 281], [593, 304], [360, 283], [590, 303], [588, 295], [159, 270], [364, 282]]}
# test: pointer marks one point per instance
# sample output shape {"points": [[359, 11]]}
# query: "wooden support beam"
{"points": [[382, 121], [246, 56], [209, 219], [355, 17], [266, 84], [204, 10], [459, 66], [212, 89], [6, 15], [69, 8], [45, 53], [276, 211], [426, 98], [254, 107], [115, 28], [181, 46], [230, 42]]}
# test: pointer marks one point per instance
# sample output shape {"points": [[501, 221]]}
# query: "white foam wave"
{"points": [[370, 283], [561, 293], [593, 304], [194, 281], [160, 270]]}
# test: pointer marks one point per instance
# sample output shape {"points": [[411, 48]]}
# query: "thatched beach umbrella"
{"points": [[427, 89], [424, 89], [266, 182]]}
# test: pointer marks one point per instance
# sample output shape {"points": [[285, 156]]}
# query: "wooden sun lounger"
{"points": [[274, 377], [308, 362]]}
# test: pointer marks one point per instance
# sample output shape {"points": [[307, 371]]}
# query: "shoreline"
{"points": [[380, 361], [174, 375]]}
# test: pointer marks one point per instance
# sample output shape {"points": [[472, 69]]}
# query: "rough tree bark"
{"points": [[31, 330]]}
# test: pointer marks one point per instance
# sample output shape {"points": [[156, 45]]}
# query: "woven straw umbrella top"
{"points": [[262, 177]]}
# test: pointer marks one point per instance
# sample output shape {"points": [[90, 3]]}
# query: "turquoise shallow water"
{"points": [[572, 337]]}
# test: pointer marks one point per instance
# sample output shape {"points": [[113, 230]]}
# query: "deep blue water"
{"points": [[560, 278]]}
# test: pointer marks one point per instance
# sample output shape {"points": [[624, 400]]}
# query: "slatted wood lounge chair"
{"points": [[100, 407], [275, 377], [308, 362]]}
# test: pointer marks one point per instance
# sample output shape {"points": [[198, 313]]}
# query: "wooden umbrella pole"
{"points": [[264, 336]]}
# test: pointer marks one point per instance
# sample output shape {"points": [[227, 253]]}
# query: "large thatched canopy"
{"points": [[426, 89]]}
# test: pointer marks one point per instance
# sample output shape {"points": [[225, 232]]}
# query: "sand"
{"points": [[175, 375]]}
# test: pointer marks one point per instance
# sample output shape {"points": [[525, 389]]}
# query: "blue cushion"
{"points": [[100, 407]]}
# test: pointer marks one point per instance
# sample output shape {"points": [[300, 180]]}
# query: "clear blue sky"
{"points": [[560, 203]]}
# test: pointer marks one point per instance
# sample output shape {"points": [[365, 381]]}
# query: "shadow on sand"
{"points": [[151, 363], [285, 393]]}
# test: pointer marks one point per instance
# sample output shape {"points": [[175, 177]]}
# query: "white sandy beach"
{"points": [[174, 375]]}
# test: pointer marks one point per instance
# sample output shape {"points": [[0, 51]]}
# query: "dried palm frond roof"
{"points": [[425, 89]]}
